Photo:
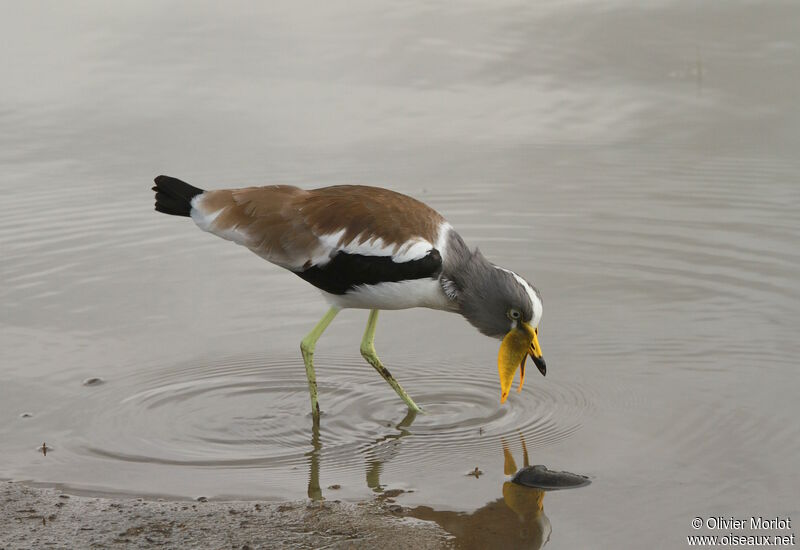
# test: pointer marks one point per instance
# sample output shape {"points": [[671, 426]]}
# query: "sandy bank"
{"points": [[48, 518]]}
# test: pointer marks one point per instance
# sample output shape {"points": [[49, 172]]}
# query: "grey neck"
{"points": [[462, 271], [458, 256]]}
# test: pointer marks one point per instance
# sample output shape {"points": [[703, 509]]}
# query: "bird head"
{"points": [[502, 305]]}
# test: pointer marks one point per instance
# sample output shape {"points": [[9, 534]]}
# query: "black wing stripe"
{"points": [[346, 271]]}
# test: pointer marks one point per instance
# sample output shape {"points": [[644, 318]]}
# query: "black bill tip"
{"points": [[540, 364]]}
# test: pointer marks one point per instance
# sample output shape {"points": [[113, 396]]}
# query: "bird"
{"points": [[370, 248]]}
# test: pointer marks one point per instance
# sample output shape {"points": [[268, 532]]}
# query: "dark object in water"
{"points": [[93, 381], [540, 477]]}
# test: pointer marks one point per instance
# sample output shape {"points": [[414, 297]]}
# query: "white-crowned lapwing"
{"points": [[370, 248]]}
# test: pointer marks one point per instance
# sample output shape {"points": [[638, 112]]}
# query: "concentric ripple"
{"points": [[253, 413]]}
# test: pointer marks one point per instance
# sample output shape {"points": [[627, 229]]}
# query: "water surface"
{"points": [[636, 162]]}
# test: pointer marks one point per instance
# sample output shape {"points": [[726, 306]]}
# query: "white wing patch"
{"points": [[413, 249]]}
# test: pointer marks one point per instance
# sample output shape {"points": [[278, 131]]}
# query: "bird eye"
{"points": [[514, 314]]}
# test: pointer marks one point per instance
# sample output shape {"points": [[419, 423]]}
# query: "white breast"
{"points": [[395, 295]]}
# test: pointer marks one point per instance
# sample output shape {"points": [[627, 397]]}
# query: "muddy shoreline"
{"points": [[32, 517]]}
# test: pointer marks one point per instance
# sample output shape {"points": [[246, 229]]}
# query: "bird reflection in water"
{"points": [[314, 490], [382, 450], [517, 520]]}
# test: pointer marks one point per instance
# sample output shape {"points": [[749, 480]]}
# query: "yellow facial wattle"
{"points": [[513, 352], [521, 341]]}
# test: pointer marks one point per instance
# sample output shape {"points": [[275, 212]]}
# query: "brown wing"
{"points": [[296, 228]]}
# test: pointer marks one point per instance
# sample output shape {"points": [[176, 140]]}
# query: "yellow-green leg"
{"points": [[307, 348], [368, 352]]}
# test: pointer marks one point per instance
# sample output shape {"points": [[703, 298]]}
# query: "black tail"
{"points": [[174, 196]]}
